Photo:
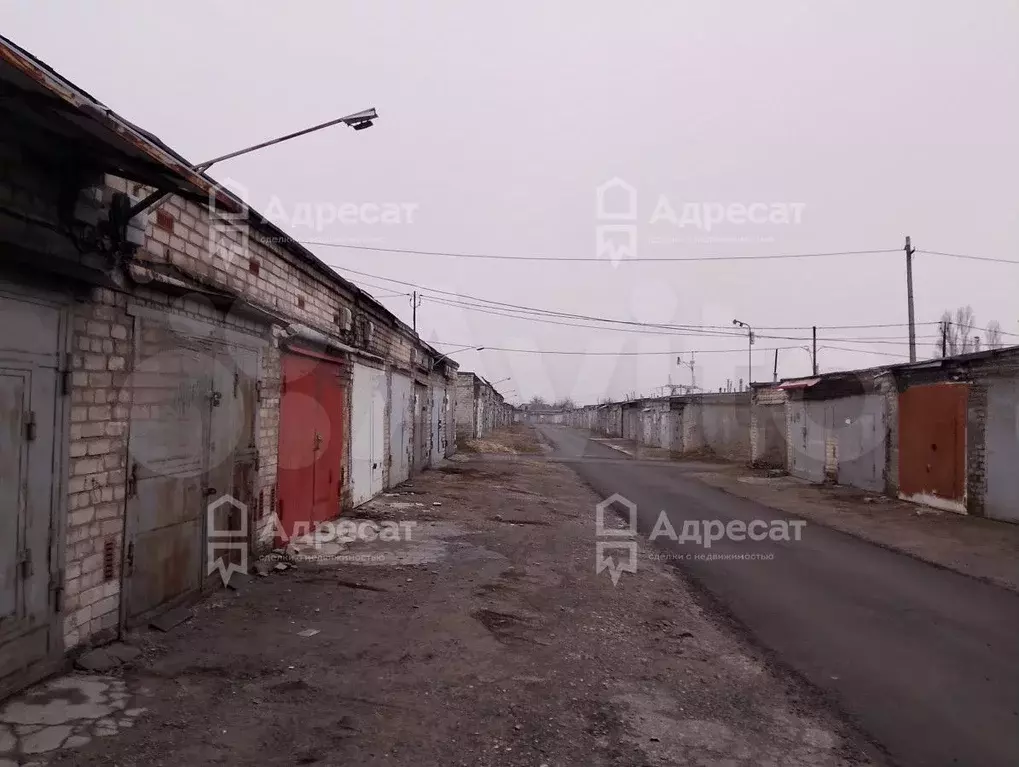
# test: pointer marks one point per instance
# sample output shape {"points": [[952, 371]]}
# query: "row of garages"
{"points": [[944, 433], [176, 387], [705, 424], [480, 409]]}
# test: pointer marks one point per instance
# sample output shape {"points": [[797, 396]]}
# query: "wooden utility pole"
{"points": [[944, 339], [774, 375], [414, 303], [814, 355], [909, 292]]}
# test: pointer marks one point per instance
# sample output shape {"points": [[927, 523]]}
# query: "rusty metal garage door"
{"points": [[311, 459], [191, 445], [31, 449], [932, 444]]}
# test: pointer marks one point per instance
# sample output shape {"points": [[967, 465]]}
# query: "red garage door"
{"points": [[932, 442], [310, 441]]}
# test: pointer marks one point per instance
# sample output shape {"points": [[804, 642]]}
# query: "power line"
{"points": [[723, 329], [742, 350], [654, 329], [506, 309], [571, 352], [574, 259], [968, 257]]}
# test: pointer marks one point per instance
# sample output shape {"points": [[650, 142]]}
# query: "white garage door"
{"points": [[367, 433]]}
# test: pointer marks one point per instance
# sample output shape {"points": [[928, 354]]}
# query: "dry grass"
{"points": [[514, 440]]}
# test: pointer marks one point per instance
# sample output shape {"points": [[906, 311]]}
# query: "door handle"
{"points": [[210, 491]]}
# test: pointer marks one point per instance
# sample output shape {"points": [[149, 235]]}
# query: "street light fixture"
{"points": [[750, 349], [503, 380], [358, 121]]}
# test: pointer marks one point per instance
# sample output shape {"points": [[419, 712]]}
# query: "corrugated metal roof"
{"points": [[803, 383]]}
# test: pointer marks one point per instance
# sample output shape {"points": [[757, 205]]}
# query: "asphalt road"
{"points": [[923, 660]]}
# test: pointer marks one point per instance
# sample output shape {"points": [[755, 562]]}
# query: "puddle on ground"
{"points": [[66, 712]]}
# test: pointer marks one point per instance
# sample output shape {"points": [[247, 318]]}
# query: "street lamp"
{"points": [[455, 351], [750, 349], [503, 380], [813, 356], [358, 121]]}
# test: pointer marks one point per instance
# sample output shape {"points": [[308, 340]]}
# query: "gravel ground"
{"points": [[488, 639]]}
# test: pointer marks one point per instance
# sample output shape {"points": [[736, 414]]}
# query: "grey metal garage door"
{"points": [[1002, 439], [31, 467]]}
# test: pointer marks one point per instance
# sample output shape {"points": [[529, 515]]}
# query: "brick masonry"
{"points": [[100, 411]]}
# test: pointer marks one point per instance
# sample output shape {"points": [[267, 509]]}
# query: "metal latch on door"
{"points": [[25, 563]]}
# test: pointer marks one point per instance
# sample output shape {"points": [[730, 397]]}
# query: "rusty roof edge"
{"points": [[59, 86], [151, 145]]}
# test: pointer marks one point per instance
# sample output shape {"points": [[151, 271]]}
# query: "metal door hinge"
{"points": [[130, 558], [30, 426], [25, 563]]}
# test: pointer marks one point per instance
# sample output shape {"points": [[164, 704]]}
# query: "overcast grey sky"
{"points": [[499, 122]]}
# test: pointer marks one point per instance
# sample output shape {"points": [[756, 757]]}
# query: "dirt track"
{"points": [[488, 639]]}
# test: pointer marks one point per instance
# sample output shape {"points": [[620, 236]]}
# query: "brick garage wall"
{"points": [[268, 440], [231, 255], [976, 448], [100, 409], [887, 386]]}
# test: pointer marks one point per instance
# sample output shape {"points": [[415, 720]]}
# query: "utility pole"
{"points": [[750, 349], [815, 350], [909, 292], [415, 302], [774, 375], [693, 373], [944, 339]]}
